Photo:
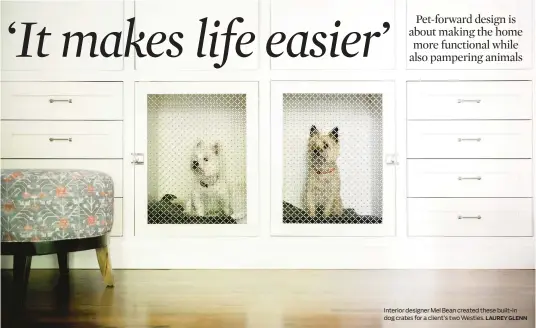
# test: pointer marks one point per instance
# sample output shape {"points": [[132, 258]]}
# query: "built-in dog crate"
{"points": [[197, 158], [333, 152]]}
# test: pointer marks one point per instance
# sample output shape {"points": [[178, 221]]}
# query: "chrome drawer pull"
{"points": [[461, 101], [469, 217], [70, 101], [469, 139], [469, 178], [60, 139]]}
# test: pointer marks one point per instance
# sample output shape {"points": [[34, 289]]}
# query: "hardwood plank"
{"points": [[266, 298]]}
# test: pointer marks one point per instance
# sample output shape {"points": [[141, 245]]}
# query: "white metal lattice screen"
{"points": [[196, 158], [333, 158]]}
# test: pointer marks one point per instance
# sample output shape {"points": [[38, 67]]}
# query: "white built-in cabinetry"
{"points": [[426, 152], [53, 125], [470, 170]]}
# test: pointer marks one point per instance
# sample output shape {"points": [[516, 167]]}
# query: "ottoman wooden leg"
{"points": [[63, 263], [21, 275], [103, 256], [63, 281]]}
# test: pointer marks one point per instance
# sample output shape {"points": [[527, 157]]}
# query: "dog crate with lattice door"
{"points": [[197, 154], [333, 157]]}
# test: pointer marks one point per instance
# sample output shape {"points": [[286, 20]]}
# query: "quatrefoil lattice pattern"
{"points": [[313, 173], [176, 123]]}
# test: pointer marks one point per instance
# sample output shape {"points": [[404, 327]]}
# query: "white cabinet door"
{"points": [[347, 157], [62, 101], [62, 139], [185, 17], [94, 20], [470, 139], [470, 217], [469, 100], [314, 40], [117, 228], [470, 178], [197, 167], [449, 33]]}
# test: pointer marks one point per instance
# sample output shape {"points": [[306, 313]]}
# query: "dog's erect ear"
{"points": [[217, 148], [313, 131], [335, 134]]}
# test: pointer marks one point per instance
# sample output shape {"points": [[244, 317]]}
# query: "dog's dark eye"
{"points": [[205, 159], [326, 145]]}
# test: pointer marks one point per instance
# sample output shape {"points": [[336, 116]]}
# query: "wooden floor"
{"points": [[272, 299]]}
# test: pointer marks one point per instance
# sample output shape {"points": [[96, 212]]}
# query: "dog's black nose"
{"points": [[316, 152], [195, 164]]}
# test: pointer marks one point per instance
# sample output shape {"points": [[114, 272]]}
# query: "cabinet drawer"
{"points": [[470, 217], [470, 178], [32, 139], [113, 167], [469, 100], [469, 139], [117, 228], [62, 101], [59, 17]]}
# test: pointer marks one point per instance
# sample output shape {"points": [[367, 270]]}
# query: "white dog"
{"points": [[210, 193]]}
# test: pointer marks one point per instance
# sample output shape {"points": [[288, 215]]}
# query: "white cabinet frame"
{"points": [[387, 227], [142, 227]]}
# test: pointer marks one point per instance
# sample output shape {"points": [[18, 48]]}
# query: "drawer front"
{"points": [[470, 178], [470, 217], [61, 17], [117, 228], [62, 101], [113, 167], [469, 100], [437, 27], [469, 139], [32, 139]]}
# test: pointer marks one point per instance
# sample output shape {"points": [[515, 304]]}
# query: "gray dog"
{"points": [[323, 186]]}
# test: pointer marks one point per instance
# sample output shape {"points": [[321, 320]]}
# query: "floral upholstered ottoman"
{"points": [[56, 211], [49, 205]]}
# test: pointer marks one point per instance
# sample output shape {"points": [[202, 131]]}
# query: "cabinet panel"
{"points": [[471, 217], [62, 101], [331, 149], [486, 100], [469, 139], [199, 144], [117, 228], [470, 178], [62, 139], [315, 17], [169, 17], [60, 17]]}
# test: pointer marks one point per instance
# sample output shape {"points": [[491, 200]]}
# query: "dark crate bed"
{"points": [[293, 215], [166, 212]]}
